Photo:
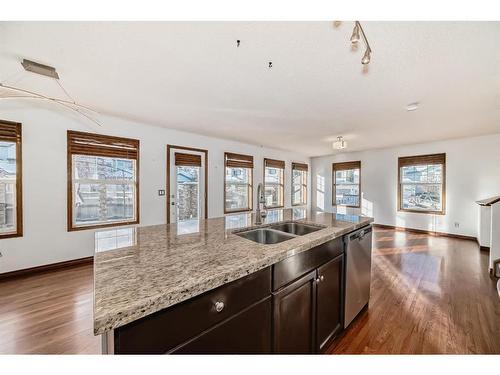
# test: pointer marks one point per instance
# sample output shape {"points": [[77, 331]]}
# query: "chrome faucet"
{"points": [[259, 215]]}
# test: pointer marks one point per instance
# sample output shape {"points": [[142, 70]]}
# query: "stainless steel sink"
{"points": [[298, 229], [265, 235]]}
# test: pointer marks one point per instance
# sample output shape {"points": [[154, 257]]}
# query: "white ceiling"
{"points": [[190, 76]]}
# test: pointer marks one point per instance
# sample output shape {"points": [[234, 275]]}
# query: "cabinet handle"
{"points": [[219, 306]]}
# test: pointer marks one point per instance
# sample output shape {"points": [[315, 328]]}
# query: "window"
{"points": [[103, 187], [11, 202], [188, 170], [346, 184], [421, 186], [274, 171], [238, 182], [299, 184]]}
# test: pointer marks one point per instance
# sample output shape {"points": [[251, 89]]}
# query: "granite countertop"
{"points": [[139, 271]]}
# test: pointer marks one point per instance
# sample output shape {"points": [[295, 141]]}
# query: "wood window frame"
{"points": [[343, 166], [279, 164], [175, 147], [245, 161], [304, 168], [423, 160], [12, 132], [104, 150]]}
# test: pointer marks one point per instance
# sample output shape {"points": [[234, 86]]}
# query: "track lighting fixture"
{"points": [[357, 34], [366, 57]]}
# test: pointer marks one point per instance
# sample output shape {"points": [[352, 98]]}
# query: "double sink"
{"points": [[278, 232]]}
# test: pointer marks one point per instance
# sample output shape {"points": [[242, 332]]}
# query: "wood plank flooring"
{"points": [[429, 295]]}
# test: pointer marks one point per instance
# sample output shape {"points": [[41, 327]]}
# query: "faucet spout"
{"points": [[259, 215]]}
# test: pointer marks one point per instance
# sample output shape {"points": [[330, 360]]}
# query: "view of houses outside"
{"points": [[421, 187], [238, 188], [104, 189], [299, 186], [273, 186], [7, 187], [188, 199], [347, 187]]}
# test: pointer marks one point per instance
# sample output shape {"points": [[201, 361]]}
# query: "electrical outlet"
{"points": [[457, 224]]}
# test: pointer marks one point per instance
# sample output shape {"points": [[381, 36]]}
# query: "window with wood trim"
{"points": [[274, 188], [299, 184], [11, 201], [238, 182], [187, 176], [347, 184], [103, 182], [422, 183]]}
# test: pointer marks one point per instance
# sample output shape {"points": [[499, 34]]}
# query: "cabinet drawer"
{"points": [[292, 268], [166, 329], [248, 332]]}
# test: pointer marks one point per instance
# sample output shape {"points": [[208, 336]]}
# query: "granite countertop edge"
{"points": [[156, 303]]}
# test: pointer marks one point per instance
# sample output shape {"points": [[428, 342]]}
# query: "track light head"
{"points": [[366, 57], [355, 34]]}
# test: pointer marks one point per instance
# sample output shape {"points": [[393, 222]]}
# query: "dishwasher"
{"points": [[358, 252]]}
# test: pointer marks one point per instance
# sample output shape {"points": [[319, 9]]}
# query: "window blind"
{"points": [[102, 145]]}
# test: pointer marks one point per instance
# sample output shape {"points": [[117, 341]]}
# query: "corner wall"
{"points": [[472, 173], [46, 239]]}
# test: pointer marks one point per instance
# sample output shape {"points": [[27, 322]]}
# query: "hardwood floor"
{"points": [[48, 313], [429, 295]]}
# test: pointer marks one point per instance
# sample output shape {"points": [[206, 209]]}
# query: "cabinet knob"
{"points": [[219, 306], [321, 278]]}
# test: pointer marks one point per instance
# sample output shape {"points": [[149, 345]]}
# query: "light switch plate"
{"points": [[161, 192]]}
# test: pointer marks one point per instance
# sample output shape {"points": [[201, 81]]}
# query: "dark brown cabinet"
{"points": [[329, 301], [248, 332], [294, 306], [294, 316], [307, 312]]}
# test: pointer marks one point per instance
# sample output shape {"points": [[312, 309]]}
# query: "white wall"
{"points": [[472, 173], [46, 239]]}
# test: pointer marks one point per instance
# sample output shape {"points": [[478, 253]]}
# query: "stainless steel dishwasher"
{"points": [[358, 272]]}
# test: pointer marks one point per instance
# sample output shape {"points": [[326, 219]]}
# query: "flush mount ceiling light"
{"points": [[357, 34], [340, 143], [48, 71], [412, 107]]}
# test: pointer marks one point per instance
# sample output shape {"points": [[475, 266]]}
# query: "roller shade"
{"points": [[300, 167], [422, 160], [10, 131], [274, 163], [190, 160], [238, 160], [347, 165], [102, 145]]}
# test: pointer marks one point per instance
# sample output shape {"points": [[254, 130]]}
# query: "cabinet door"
{"points": [[294, 316], [248, 332], [329, 301]]}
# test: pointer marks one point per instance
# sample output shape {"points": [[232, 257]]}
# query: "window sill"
{"points": [[237, 211], [423, 212], [99, 226]]}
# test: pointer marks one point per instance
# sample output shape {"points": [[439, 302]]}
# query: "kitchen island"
{"points": [[201, 286]]}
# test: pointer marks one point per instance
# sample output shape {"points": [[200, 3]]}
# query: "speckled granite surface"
{"points": [[162, 265]]}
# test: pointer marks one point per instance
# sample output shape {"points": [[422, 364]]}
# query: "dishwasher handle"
{"points": [[360, 234]]}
